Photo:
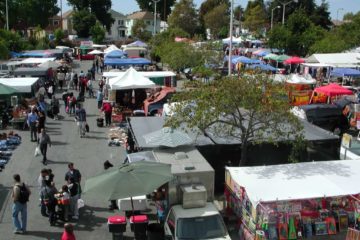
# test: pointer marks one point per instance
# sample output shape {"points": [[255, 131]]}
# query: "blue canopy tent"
{"points": [[263, 67], [34, 54], [245, 60], [138, 44], [345, 72], [126, 61], [115, 54]]}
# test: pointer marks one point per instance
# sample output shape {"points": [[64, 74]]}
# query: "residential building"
{"points": [[67, 20], [54, 23], [147, 17], [118, 28]]}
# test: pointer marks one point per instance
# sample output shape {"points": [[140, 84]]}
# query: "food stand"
{"points": [[300, 89], [294, 201], [329, 93]]}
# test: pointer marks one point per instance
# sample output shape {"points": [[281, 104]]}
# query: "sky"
{"points": [[336, 6]]}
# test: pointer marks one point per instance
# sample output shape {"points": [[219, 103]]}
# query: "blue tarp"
{"points": [[35, 54], [345, 72], [115, 54], [126, 61], [263, 67], [245, 60]]}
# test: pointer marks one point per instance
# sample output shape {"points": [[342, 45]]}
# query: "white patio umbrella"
{"points": [[167, 137]]}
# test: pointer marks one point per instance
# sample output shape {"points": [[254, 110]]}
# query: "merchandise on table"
{"points": [[117, 136]]}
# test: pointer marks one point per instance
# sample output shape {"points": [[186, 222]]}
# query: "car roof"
{"points": [[208, 210]]}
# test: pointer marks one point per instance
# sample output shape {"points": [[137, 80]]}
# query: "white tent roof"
{"points": [[300, 79], [131, 80], [98, 46], [94, 52], [298, 181], [111, 48], [22, 85], [50, 64], [31, 61], [150, 74], [335, 59]]}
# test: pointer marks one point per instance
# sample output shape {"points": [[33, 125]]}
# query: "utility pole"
{"points": [[272, 16], [7, 15], [155, 2]]}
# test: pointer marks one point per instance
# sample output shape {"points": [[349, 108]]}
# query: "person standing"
{"points": [[101, 84], [44, 141], [99, 98], [41, 121], [80, 116], [47, 195], [20, 196], [97, 63], [55, 107], [74, 189], [65, 96], [32, 120], [44, 176], [73, 172], [107, 109]]}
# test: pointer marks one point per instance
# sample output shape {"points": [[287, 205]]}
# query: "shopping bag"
{"points": [[80, 203], [87, 128], [37, 151]]}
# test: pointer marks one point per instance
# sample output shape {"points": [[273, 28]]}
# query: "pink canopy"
{"points": [[333, 89], [294, 60]]}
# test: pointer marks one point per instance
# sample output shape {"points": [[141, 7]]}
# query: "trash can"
{"points": [[138, 224], [100, 122], [117, 226], [155, 231]]}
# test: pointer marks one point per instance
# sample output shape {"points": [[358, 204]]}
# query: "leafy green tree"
{"points": [[348, 16], [139, 31], [255, 15], [251, 109], [97, 33], [59, 35], [184, 16], [4, 51], [83, 20], [208, 5], [163, 7], [217, 19], [321, 16], [99, 8], [12, 40]]}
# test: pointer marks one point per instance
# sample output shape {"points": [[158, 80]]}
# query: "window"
{"points": [[56, 22], [121, 22], [148, 22]]}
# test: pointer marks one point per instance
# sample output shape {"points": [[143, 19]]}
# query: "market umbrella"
{"points": [[128, 180], [6, 90], [270, 56], [167, 137], [294, 60], [281, 58]]}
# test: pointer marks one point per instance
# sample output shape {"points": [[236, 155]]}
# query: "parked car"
{"points": [[326, 116]]}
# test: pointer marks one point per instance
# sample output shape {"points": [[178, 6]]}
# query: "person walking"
{"points": [[44, 176], [68, 233], [20, 196], [80, 116], [107, 109], [44, 141], [99, 98], [55, 107], [41, 121], [71, 101], [32, 120]]}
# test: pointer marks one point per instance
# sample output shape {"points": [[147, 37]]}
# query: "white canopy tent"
{"points": [[335, 59], [50, 64], [307, 180], [31, 61], [131, 80], [150, 74], [96, 52], [22, 85], [111, 48], [300, 79]]}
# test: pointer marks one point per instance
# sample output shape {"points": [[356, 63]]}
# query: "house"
{"points": [[147, 17], [67, 23], [118, 28], [54, 23]]}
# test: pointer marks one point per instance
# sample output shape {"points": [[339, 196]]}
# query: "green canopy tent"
{"points": [[270, 56], [6, 90]]}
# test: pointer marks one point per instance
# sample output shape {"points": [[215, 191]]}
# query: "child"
{"points": [[68, 233], [65, 201]]}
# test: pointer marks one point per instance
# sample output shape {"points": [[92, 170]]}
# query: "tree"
{"points": [[163, 7], [82, 21], [184, 16], [59, 35], [321, 16], [99, 8], [4, 51], [208, 5], [255, 15], [139, 31], [97, 33], [252, 110], [216, 19]]}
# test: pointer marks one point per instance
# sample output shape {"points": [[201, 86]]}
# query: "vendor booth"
{"points": [[161, 78], [294, 201], [329, 93], [25, 86], [300, 89], [120, 62], [155, 102]]}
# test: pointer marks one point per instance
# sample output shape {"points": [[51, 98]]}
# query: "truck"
{"points": [[190, 212]]}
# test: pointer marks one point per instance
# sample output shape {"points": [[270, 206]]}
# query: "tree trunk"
{"points": [[244, 150]]}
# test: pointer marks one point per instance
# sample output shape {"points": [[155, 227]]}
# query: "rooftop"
{"points": [[141, 15]]}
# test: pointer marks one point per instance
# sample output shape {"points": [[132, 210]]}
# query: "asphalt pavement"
{"points": [[88, 154]]}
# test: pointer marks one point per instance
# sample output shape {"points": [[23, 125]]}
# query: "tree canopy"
{"points": [[82, 21], [255, 15], [217, 19], [163, 7], [185, 17], [139, 31], [252, 110], [97, 33]]}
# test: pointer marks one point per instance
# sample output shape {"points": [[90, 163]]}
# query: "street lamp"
{"points": [[284, 6], [231, 36], [337, 13], [272, 16], [7, 15], [155, 2]]}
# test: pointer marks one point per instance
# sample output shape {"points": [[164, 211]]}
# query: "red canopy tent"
{"points": [[333, 90], [294, 60]]}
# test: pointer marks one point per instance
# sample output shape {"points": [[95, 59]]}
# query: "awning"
{"points": [[333, 89], [126, 61], [345, 72], [22, 85], [294, 60]]}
